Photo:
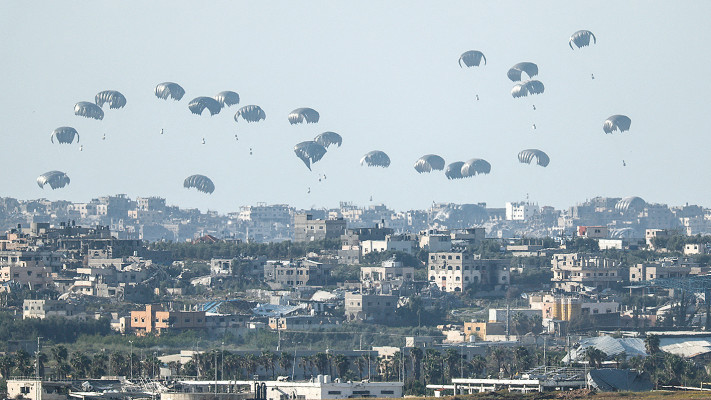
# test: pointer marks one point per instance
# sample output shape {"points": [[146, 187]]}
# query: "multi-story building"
{"points": [[455, 271], [156, 320], [42, 309], [297, 273], [669, 268], [389, 270], [27, 273], [404, 243], [593, 232], [573, 271], [370, 307], [308, 229], [302, 322], [436, 240], [520, 211]]}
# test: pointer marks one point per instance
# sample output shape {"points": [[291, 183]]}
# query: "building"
{"points": [[455, 271], [404, 243], [297, 273], [36, 389], [574, 271], [308, 229], [520, 211], [156, 320], [302, 322], [389, 270], [436, 240], [27, 273], [695, 248], [661, 270], [50, 308], [322, 387], [593, 232], [486, 331], [370, 307]]}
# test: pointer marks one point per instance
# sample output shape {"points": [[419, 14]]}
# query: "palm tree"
{"points": [[595, 357], [286, 360], [23, 363], [416, 357], [651, 343], [42, 359], [80, 362], [342, 365], [269, 361], [118, 364], [360, 364], [251, 363], [321, 362], [60, 354], [7, 363]]}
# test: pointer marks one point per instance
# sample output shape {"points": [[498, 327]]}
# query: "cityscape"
{"points": [[260, 200], [135, 297]]}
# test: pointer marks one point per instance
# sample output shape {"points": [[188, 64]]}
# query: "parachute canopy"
{"points": [[303, 114], [581, 39], [55, 179], [528, 87], [199, 182], [328, 138], [475, 166], [88, 110], [251, 113], [309, 152], [376, 158], [227, 98], [454, 170], [64, 134], [526, 156], [529, 68], [429, 162], [199, 104], [472, 58], [169, 89], [617, 122], [113, 97]]}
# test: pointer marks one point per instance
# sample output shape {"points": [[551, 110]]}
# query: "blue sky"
{"points": [[384, 75]]}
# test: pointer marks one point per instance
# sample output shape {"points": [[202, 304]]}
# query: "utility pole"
{"points": [[131, 359], [37, 355]]}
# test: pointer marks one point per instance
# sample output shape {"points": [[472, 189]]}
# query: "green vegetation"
{"points": [[207, 251]]}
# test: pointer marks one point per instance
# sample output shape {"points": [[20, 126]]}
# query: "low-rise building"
{"points": [[308, 229], [302, 322], [156, 320], [42, 309], [370, 307], [297, 273]]}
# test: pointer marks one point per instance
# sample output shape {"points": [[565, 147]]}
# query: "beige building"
{"points": [[42, 309], [370, 307], [661, 270], [455, 271], [573, 271], [27, 273], [308, 229], [390, 270]]}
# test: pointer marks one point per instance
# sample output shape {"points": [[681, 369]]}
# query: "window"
{"points": [[334, 392], [387, 392]]}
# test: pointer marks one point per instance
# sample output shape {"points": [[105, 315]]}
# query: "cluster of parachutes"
{"points": [[312, 151]]}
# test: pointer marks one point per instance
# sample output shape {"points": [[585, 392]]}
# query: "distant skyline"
{"points": [[384, 75]]}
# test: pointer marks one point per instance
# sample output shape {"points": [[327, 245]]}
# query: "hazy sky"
{"points": [[383, 74]]}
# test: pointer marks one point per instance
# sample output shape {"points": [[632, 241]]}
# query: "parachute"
{"points": [[454, 170], [474, 167], [113, 97], [526, 156], [617, 122], [88, 110], [64, 134], [251, 113], [199, 182], [199, 104], [529, 68], [227, 98], [55, 179], [376, 158], [309, 152], [169, 89], [523, 89], [581, 39], [303, 114], [328, 138], [429, 162], [472, 58]]}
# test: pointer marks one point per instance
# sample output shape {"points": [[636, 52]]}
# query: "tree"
{"points": [[595, 357], [342, 364], [651, 344], [321, 363], [23, 363], [7, 363], [416, 355], [269, 361], [286, 361]]}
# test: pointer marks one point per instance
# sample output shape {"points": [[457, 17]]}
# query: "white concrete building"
{"points": [[322, 387], [520, 211]]}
